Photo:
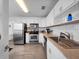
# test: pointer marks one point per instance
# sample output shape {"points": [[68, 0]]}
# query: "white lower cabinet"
{"points": [[53, 52], [41, 38], [27, 37]]}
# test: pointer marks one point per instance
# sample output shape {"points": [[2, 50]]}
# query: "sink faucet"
{"points": [[65, 35]]}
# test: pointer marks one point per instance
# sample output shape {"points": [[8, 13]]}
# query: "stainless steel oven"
{"points": [[34, 33], [34, 37]]}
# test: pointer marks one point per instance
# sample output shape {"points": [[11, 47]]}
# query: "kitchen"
{"points": [[49, 29]]}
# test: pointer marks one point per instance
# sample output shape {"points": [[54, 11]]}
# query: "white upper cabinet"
{"points": [[63, 5], [50, 17], [42, 23], [57, 8], [67, 3]]}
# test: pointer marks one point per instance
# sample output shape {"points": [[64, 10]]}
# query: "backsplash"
{"points": [[73, 29]]}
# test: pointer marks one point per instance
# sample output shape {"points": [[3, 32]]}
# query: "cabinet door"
{"points": [[49, 50], [41, 38], [56, 9], [27, 37], [53, 52], [50, 18], [67, 3]]}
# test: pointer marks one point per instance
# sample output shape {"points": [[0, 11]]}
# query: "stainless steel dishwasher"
{"points": [[45, 45]]}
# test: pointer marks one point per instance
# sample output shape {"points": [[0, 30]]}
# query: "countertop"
{"points": [[69, 53]]}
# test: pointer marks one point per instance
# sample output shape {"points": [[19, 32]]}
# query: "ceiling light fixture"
{"points": [[22, 5]]}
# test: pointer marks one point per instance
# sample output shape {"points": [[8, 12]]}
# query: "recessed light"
{"points": [[43, 7]]}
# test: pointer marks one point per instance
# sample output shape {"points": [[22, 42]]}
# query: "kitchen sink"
{"points": [[54, 38], [65, 42], [68, 43]]}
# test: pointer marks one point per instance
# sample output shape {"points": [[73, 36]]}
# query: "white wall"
{"points": [[72, 29], [28, 20]]}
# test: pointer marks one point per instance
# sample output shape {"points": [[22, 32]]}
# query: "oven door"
{"points": [[33, 38]]}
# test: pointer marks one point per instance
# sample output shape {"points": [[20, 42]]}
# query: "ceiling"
{"points": [[34, 7]]}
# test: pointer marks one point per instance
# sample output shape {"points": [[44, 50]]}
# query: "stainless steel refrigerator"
{"points": [[18, 33]]}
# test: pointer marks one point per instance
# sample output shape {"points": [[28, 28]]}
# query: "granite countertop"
{"points": [[69, 53]]}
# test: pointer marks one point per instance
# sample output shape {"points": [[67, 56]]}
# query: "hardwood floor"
{"points": [[28, 51]]}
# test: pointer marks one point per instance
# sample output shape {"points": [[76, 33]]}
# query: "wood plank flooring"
{"points": [[28, 51]]}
